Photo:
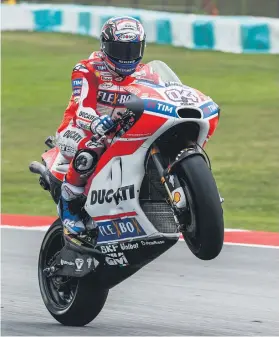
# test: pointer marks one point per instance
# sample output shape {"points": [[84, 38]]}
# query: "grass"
{"points": [[36, 87]]}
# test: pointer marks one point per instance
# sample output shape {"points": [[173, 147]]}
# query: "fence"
{"points": [[264, 8], [228, 34]]}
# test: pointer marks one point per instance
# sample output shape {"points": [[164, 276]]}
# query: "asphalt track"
{"points": [[177, 294]]}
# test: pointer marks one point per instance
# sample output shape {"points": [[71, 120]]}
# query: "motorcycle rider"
{"points": [[97, 101]]}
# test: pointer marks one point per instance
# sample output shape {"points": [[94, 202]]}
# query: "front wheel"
{"points": [[71, 301], [203, 224]]}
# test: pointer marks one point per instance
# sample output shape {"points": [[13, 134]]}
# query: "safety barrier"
{"points": [[227, 34]]}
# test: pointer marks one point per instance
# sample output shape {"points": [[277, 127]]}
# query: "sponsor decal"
{"points": [[127, 37], [176, 197], [126, 24], [67, 263], [160, 107], [125, 228], [152, 243], [113, 98], [86, 115], [76, 92], [129, 246], [89, 262], [209, 109], [72, 135], [171, 83], [127, 62], [121, 194], [115, 259], [100, 66], [77, 83], [125, 70], [132, 89], [106, 78], [108, 249], [67, 148], [105, 85], [83, 124], [79, 263]]}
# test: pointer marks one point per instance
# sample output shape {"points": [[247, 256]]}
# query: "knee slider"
{"points": [[85, 161]]}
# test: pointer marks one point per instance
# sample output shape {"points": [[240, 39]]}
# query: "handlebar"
{"points": [[121, 121]]}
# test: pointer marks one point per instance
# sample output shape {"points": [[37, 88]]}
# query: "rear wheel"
{"points": [[203, 224], [71, 301]]}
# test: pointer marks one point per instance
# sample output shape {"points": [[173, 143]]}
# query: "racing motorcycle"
{"points": [[152, 185]]}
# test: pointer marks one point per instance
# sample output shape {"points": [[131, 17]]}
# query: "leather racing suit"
{"points": [[95, 92]]}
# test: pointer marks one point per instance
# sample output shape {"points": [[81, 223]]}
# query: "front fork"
{"points": [[176, 195]]}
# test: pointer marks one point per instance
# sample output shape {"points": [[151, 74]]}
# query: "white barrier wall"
{"points": [[228, 34]]}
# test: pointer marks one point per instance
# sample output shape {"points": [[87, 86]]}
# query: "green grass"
{"points": [[36, 86]]}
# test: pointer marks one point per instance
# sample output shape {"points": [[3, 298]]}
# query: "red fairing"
{"points": [[213, 125], [49, 157], [145, 127]]}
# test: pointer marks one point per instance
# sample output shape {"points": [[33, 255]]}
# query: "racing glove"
{"points": [[101, 125]]}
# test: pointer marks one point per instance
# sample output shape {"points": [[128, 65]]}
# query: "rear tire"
{"points": [[204, 232], [83, 300]]}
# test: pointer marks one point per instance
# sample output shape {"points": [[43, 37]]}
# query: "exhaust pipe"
{"points": [[38, 168]]}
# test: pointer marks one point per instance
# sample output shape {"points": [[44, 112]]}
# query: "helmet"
{"points": [[123, 43]]}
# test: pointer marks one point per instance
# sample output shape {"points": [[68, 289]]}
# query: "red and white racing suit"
{"points": [[95, 92]]}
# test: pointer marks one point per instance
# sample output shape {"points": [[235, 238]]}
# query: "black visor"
{"points": [[126, 51]]}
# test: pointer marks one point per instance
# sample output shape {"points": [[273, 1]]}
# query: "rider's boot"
{"points": [[80, 231]]}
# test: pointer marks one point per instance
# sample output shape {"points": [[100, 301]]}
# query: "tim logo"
{"points": [[119, 229], [160, 107], [209, 109], [113, 98]]}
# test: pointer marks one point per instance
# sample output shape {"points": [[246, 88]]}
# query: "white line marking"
{"points": [[250, 245], [245, 244], [27, 228]]}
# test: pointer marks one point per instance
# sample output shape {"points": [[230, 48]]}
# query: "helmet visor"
{"points": [[124, 51]]}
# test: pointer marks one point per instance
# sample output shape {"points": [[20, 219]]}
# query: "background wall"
{"points": [[269, 8], [240, 34]]}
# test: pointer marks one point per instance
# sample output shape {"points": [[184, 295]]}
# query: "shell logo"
{"points": [[176, 197]]}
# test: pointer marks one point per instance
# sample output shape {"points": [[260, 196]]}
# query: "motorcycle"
{"points": [[153, 184]]}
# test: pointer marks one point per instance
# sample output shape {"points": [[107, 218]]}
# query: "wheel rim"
{"points": [[190, 230], [60, 290]]}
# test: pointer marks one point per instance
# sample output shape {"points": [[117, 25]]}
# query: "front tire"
{"points": [[203, 220], [80, 300]]}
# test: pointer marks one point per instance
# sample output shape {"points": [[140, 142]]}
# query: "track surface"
{"points": [[177, 294]]}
